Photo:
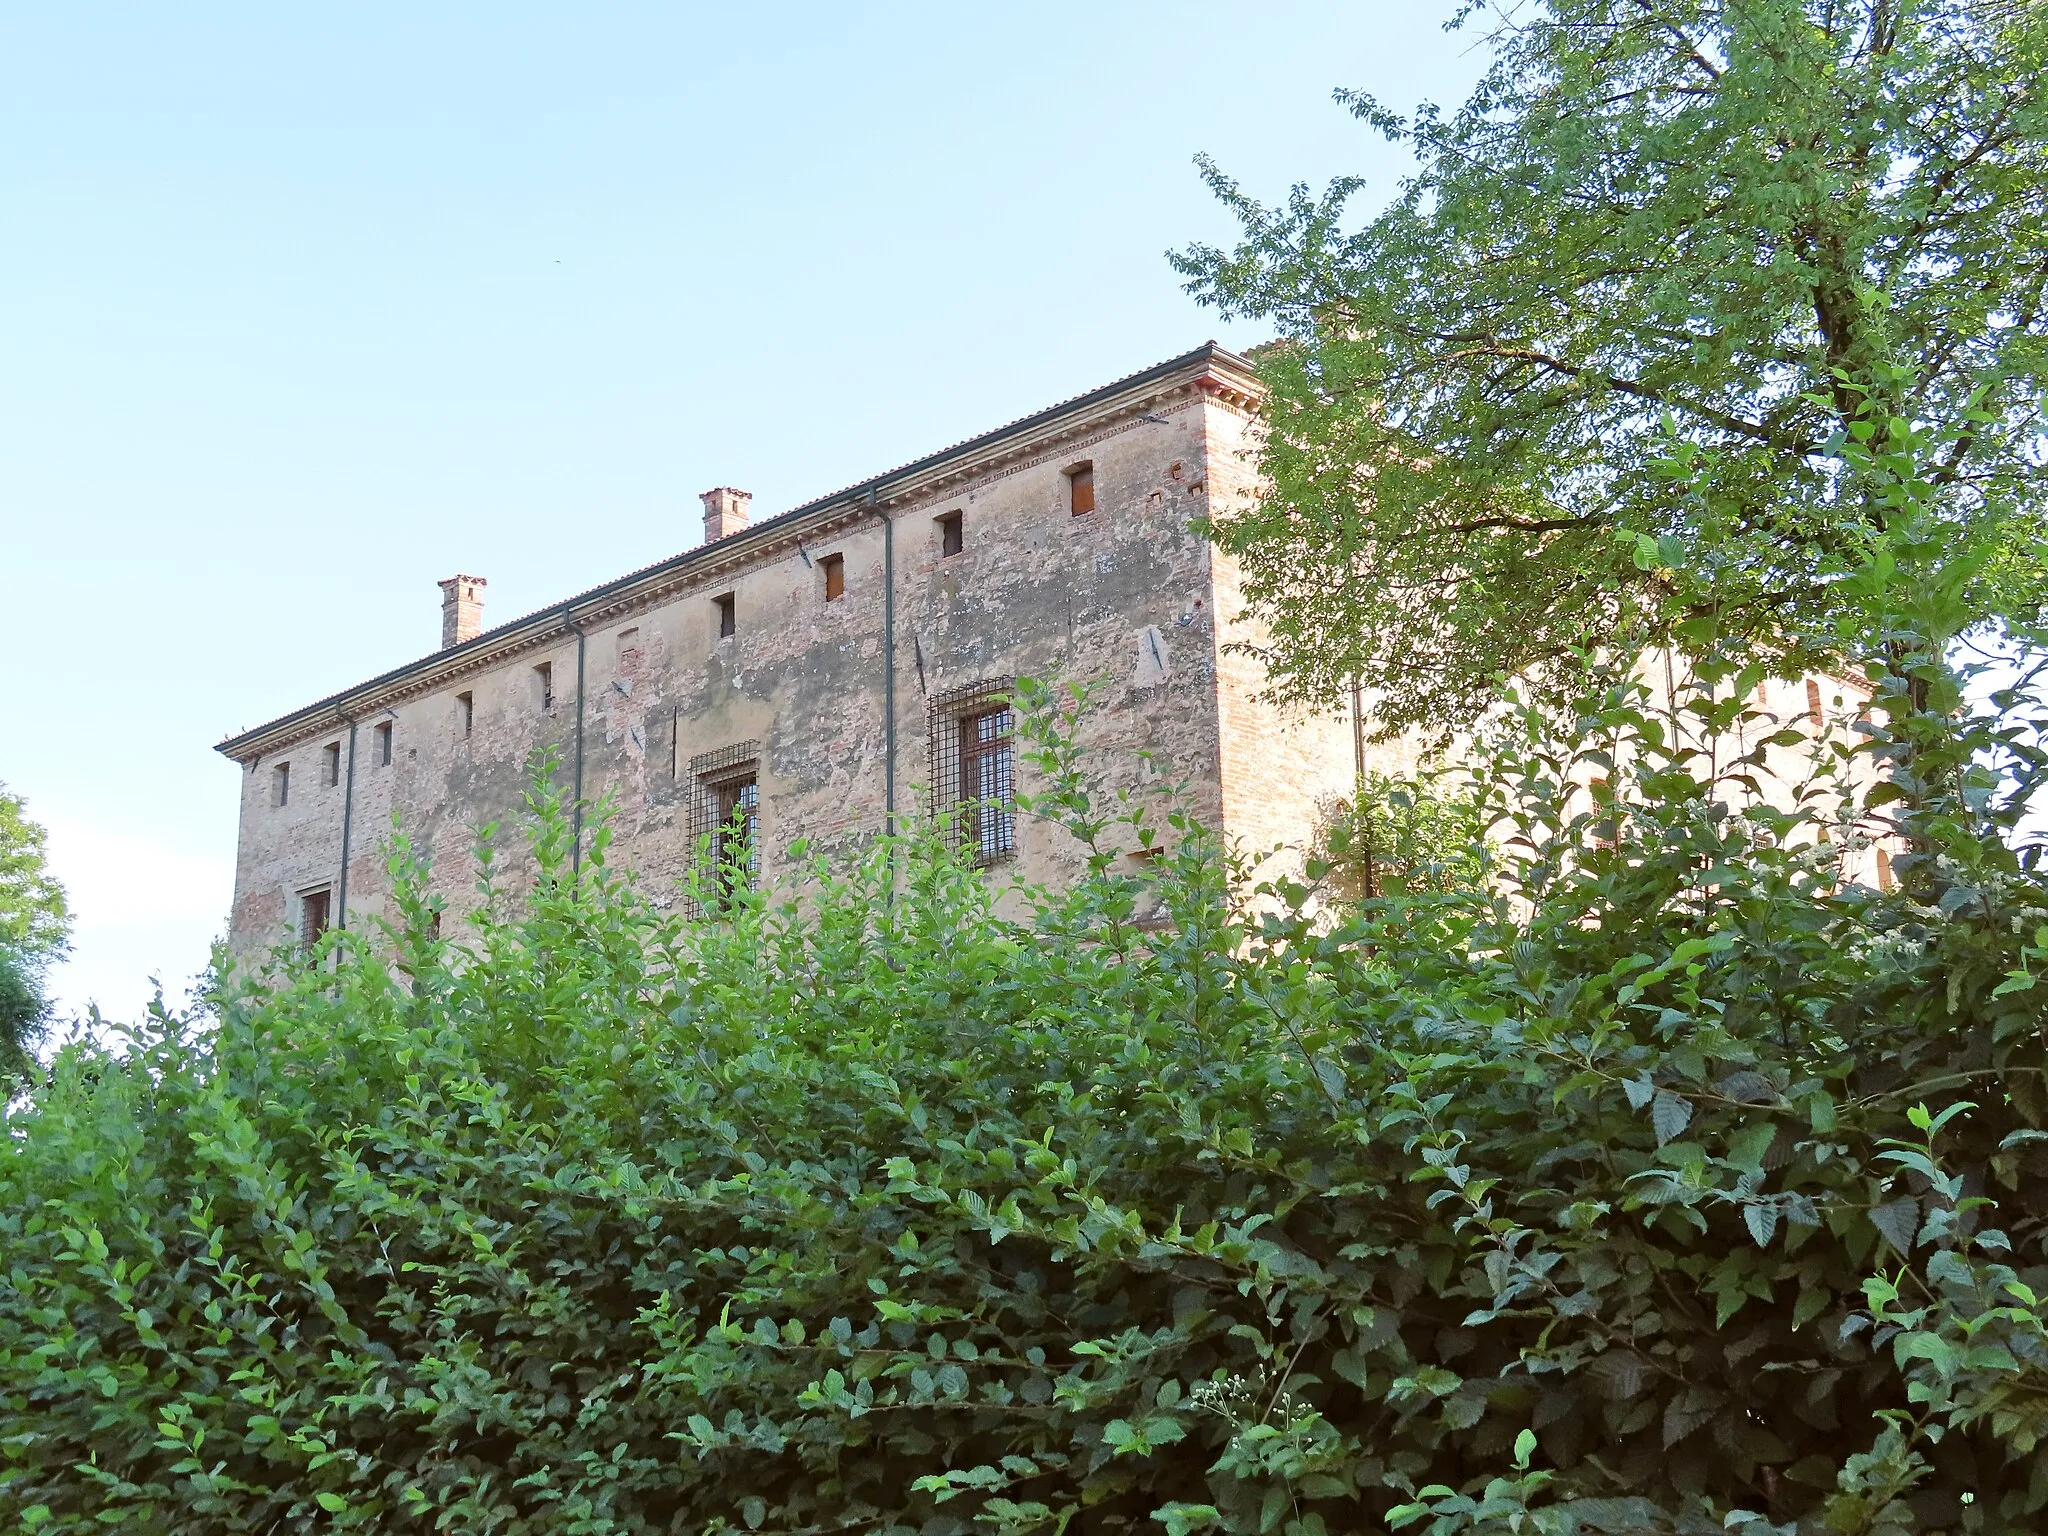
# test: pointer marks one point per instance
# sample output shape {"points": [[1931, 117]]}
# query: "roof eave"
{"points": [[908, 480]]}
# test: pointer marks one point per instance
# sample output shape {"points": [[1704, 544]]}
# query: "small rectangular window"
{"points": [[1813, 702], [951, 533], [1081, 488], [834, 569], [629, 652], [465, 712], [382, 745], [544, 680], [727, 619], [313, 916], [281, 784], [330, 764]]}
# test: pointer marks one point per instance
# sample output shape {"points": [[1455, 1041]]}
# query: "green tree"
{"points": [[1592, 378], [1403, 834], [35, 927], [35, 919]]}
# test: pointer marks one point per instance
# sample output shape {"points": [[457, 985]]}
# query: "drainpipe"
{"points": [[576, 805], [888, 664], [348, 808]]}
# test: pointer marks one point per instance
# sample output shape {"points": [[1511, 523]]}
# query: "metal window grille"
{"points": [[313, 916], [974, 767], [725, 814]]}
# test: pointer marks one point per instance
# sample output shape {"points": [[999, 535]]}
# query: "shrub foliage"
{"points": [[1664, 1180]]}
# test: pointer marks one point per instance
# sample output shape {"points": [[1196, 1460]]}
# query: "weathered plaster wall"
{"points": [[1123, 596]]}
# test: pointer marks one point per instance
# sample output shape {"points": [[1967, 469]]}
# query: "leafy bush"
{"points": [[1403, 834], [1667, 1181]]}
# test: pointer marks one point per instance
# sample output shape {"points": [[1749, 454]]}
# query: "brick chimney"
{"points": [[725, 512], [462, 609]]}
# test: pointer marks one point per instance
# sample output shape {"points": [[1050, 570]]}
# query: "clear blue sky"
{"points": [[302, 309]]}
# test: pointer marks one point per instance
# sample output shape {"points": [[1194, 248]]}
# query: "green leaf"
{"points": [[1898, 1220], [1525, 1447], [1762, 1221], [1670, 1115]]}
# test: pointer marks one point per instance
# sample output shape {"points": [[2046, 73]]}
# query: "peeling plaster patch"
{"points": [[1155, 661]]}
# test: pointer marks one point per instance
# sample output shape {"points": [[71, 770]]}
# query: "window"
{"points": [[1813, 702], [330, 764], [465, 712], [725, 819], [1081, 488], [735, 839], [544, 682], [834, 569], [974, 768], [629, 652], [952, 533], [1884, 870], [381, 744], [281, 784], [313, 915], [727, 620]]}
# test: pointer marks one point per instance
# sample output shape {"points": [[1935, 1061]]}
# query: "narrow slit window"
{"points": [[544, 685], [381, 744], [313, 917], [728, 619], [281, 784], [834, 569], [330, 764], [465, 713], [1081, 489], [952, 531], [1813, 701]]}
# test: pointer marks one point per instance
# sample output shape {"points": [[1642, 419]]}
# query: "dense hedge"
{"points": [[1598, 1200]]}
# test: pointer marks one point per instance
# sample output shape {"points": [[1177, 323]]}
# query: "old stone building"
{"points": [[824, 670]]}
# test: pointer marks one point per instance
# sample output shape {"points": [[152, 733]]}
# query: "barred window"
{"points": [[974, 768], [725, 817], [313, 915]]}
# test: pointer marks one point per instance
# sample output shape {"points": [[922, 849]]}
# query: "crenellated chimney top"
{"points": [[725, 512], [462, 609]]}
